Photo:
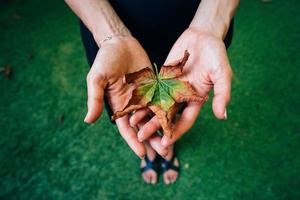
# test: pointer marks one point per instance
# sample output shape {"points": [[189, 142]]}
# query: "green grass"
{"points": [[252, 155]]}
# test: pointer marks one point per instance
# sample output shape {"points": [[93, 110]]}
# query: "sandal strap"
{"points": [[149, 165], [169, 164]]}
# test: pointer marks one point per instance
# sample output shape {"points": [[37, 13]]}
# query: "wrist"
{"points": [[201, 34], [114, 37], [218, 29], [118, 41], [214, 16], [101, 36]]}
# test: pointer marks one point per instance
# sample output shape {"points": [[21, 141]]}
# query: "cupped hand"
{"points": [[208, 67], [116, 57]]}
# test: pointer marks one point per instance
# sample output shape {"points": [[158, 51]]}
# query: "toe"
{"points": [[166, 178], [153, 178], [150, 179], [170, 179], [146, 178], [174, 177]]}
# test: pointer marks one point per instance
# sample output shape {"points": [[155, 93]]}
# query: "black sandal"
{"points": [[150, 165], [169, 164]]}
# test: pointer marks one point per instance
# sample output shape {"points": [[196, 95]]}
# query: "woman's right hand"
{"points": [[115, 58]]}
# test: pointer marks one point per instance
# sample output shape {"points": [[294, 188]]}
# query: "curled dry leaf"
{"points": [[161, 92]]}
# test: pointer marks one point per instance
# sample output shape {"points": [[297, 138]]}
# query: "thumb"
{"points": [[222, 87], [95, 85]]}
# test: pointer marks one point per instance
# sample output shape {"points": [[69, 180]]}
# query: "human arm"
{"points": [[118, 56], [214, 16], [99, 17]]}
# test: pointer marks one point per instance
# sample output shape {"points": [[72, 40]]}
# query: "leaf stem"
{"points": [[156, 70]]}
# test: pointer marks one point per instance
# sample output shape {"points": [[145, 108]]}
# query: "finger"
{"points": [[138, 116], [155, 140], [185, 122], [174, 57], [129, 135], [95, 85], [222, 88], [149, 129], [155, 143]]}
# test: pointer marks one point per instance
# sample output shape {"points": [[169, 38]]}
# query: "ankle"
{"points": [[150, 152], [170, 153], [151, 155]]}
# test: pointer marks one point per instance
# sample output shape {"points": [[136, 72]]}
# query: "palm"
{"points": [[113, 61], [208, 67], [207, 62]]}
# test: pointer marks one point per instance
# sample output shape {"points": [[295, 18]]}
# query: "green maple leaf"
{"points": [[161, 92]]}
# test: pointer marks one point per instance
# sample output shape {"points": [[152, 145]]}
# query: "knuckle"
{"points": [[95, 79]]}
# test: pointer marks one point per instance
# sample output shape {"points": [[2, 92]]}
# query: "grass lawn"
{"points": [[48, 152]]}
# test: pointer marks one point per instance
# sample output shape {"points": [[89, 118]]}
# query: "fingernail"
{"points": [[225, 114], [85, 119], [131, 124]]}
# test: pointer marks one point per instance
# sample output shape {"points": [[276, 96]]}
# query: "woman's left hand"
{"points": [[208, 67]]}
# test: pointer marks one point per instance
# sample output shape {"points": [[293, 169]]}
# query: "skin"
{"points": [[204, 74], [208, 68], [108, 69], [106, 73]]}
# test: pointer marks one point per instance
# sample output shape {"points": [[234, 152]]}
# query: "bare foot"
{"points": [[170, 176], [150, 175]]}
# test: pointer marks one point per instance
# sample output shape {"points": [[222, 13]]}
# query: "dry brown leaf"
{"points": [[162, 92]]}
